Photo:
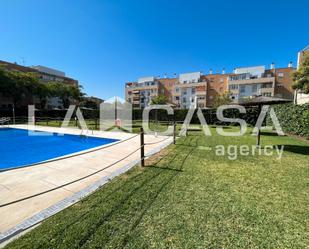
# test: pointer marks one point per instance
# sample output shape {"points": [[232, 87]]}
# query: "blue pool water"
{"points": [[18, 149]]}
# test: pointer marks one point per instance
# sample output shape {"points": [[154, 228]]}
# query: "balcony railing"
{"points": [[248, 76], [192, 84], [143, 85], [252, 81]]}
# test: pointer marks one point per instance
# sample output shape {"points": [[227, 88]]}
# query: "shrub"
{"points": [[293, 119]]}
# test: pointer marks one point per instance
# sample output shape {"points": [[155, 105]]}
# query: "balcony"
{"points": [[252, 81], [193, 84], [267, 90], [198, 93], [143, 86]]}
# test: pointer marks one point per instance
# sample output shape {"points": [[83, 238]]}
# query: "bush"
{"points": [[250, 116], [294, 119]]}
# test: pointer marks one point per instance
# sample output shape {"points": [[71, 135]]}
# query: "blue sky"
{"points": [[104, 43]]}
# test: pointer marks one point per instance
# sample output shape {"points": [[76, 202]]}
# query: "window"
{"points": [[184, 100], [211, 79], [266, 85], [233, 87], [193, 90], [221, 80], [254, 88], [177, 98], [280, 75], [244, 76], [242, 89]]}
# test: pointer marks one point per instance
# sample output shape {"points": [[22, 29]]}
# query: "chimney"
{"points": [[223, 71], [272, 65], [210, 71], [290, 64]]}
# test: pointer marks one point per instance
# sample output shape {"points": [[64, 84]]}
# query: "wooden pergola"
{"points": [[259, 102]]}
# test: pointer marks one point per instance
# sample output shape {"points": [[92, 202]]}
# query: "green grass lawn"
{"points": [[187, 197]]}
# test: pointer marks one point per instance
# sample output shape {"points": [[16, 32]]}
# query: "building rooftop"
{"points": [[49, 70], [37, 69]]}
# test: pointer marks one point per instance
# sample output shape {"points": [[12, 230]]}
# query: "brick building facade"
{"points": [[200, 90]]}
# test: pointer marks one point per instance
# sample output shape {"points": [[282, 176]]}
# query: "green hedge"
{"points": [[293, 119], [210, 115]]}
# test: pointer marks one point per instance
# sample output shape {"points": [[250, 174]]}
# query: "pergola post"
{"points": [[258, 138]]}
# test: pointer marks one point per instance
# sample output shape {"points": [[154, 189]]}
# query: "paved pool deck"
{"points": [[19, 183]]}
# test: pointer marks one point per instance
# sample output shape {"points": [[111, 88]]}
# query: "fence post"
{"points": [[142, 147], [174, 133]]}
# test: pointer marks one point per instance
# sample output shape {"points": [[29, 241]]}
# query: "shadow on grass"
{"points": [[137, 193], [222, 126], [165, 179], [272, 134], [297, 149], [100, 200], [164, 168]]}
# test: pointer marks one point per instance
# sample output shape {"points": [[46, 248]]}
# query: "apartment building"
{"points": [[200, 90], [255, 81], [140, 93], [45, 75]]}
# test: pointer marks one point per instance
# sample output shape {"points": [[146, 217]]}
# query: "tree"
{"points": [[159, 100], [21, 85], [65, 92], [223, 99], [301, 76]]}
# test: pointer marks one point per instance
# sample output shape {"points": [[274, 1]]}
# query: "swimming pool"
{"points": [[18, 149]]}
